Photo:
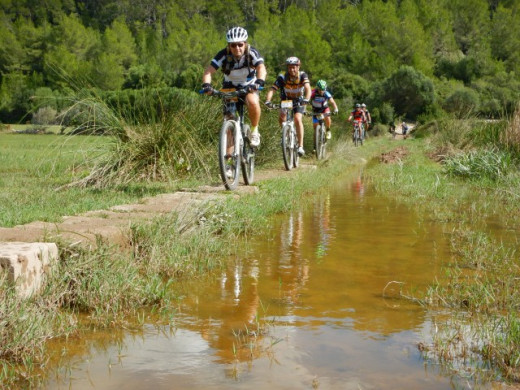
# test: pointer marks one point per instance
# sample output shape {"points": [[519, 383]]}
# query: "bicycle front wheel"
{"points": [[296, 156], [228, 155], [248, 159], [287, 147], [319, 141]]}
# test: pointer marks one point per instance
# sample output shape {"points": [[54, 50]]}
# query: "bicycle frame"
{"points": [[358, 135], [289, 137], [239, 153], [320, 139]]}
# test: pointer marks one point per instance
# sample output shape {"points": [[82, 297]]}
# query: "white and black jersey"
{"points": [[238, 73]]}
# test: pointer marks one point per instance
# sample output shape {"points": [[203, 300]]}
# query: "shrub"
{"points": [[44, 116], [463, 102], [409, 91]]}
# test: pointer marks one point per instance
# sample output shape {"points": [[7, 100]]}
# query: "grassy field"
{"points": [[34, 167]]}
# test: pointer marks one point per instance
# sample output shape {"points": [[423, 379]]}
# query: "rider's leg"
{"points": [[282, 118], [314, 125], [299, 127], [253, 108], [327, 122]]}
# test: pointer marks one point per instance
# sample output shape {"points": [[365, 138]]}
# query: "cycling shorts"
{"points": [[314, 119], [300, 109]]}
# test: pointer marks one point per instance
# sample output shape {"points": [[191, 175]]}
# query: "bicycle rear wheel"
{"points": [[319, 141], [248, 158], [228, 155], [287, 147]]}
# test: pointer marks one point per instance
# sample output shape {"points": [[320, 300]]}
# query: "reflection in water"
{"points": [[319, 276]]}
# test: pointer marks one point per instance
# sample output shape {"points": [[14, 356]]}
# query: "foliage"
{"points": [[44, 116], [462, 102], [408, 90], [358, 46]]}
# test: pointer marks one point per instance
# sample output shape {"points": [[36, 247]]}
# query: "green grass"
{"points": [[33, 167]]}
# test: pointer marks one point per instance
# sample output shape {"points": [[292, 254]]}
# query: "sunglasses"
{"points": [[233, 45]]}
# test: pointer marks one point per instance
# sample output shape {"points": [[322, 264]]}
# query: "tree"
{"points": [[119, 42], [408, 90]]}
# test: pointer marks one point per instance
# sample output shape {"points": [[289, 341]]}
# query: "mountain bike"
{"points": [[291, 158], [235, 150], [320, 138], [359, 133]]}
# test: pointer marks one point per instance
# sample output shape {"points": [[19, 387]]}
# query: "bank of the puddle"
{"points": [[308, 304]]}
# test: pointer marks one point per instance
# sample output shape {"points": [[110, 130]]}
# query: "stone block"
{"points": [[27, 264]]}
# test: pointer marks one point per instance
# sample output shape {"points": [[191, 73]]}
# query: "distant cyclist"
{"points": [[320, 99], [293, 85], [368, 117], [243, 67], [358, 115]]}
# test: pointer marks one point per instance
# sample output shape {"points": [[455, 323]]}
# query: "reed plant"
{"points": [[478, 164], [511, 136]]}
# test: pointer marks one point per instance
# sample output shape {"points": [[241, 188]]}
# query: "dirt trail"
{"points": [[112, 225]]}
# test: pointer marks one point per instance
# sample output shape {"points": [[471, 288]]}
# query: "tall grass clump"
{"points": [[150, 143], [479, 164], [511, 136], [25, 326]]}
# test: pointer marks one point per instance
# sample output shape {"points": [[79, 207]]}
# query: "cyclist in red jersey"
{"points": [[358, 115]]}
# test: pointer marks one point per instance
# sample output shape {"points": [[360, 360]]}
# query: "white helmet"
{"points": [[292, 61], [364, 105], [236, 34]]}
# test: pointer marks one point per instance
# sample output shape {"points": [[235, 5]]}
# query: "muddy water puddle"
{"points": [[313, 304]]}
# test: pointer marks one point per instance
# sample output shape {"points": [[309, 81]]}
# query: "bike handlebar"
{"points": [[318, 113], [274, 106], [240, 92]]}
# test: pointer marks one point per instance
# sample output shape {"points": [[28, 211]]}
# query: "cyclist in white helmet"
{"points": [[242, 66], [293, 85], [368, 117]]}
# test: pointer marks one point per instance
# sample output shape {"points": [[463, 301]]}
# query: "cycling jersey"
{"points": [[358, 115], [290, 89], [238, 73], [367, 115], [320, 103]]}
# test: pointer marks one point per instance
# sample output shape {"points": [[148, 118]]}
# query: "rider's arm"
{"points": [[261, 71], [269, 95], [333, 102], [208, 72], [307, 90]]}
